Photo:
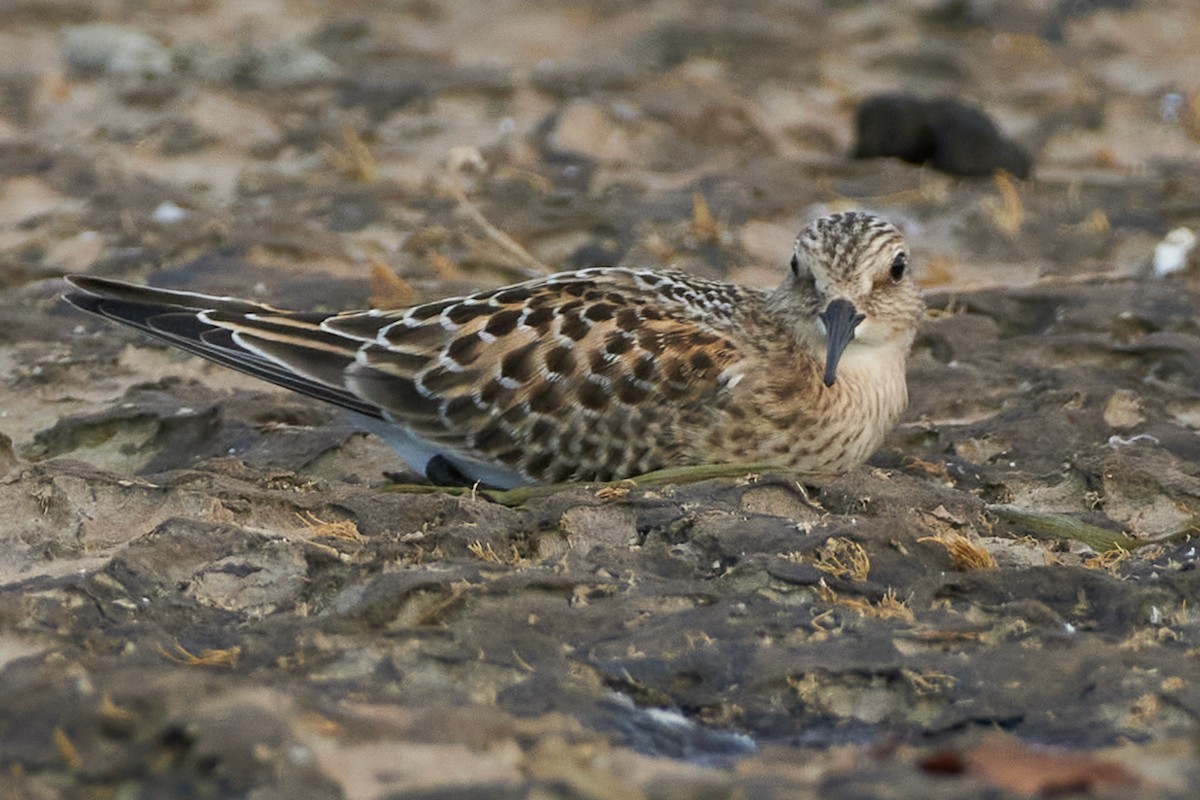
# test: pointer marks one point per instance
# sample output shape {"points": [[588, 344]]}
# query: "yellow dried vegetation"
{"points": [[208, 657], [966, 553]]}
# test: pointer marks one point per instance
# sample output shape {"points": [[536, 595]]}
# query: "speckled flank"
{"points": [[595, 374]]}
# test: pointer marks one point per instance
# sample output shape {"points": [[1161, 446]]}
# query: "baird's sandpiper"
{"points": [[596, 374]]}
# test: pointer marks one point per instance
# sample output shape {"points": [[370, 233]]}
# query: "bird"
{"points": [[596, 374]]}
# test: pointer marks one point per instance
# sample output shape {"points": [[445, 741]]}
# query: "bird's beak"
{"points": [[840, 318]]}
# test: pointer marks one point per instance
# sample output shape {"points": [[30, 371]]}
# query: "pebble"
{"points": [[76, 254], [290, 65], [167, 213], [282, 66], [101, 48], [1171, 254]]}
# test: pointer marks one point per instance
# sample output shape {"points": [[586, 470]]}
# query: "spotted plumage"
{"points": [[595, 374]]}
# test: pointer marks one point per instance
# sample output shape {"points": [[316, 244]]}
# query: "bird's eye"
{"points": [[899, 264], [795, 265]]}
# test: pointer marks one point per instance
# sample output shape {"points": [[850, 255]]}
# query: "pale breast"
{"points": [[780, 411]]}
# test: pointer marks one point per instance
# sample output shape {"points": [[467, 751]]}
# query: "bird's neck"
{"points": [[872, 381]]}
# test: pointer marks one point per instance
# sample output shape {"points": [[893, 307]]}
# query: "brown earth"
{"points": [[210, 588]]}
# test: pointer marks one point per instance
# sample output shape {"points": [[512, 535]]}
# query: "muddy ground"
{"points": [[210, 588]]}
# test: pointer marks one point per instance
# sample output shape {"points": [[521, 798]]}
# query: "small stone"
{"points": [[26, 197], [1171, 254], [76, 254], [585, 128], [765, 241], [8, 459], [291, 65], [777, 501], [168, 213], [595, 526], [106, 49], [980, 450], [1123, 410]]}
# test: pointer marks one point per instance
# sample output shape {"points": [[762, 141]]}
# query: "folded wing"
{"points": [[577, 376]]}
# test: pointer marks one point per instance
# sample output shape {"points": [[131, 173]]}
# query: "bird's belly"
{"points": [[418, 452]]}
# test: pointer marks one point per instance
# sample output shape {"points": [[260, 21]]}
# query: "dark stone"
{"points": [[945, 133]]}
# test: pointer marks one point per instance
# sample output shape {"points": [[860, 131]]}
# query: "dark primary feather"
{"points": [[173, 317]]}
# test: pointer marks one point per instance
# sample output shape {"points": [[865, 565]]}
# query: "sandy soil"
{"points": [[212, 588]]}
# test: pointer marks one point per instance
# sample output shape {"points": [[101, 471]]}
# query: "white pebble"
{"points": [[1171, 254], [168, 212]]}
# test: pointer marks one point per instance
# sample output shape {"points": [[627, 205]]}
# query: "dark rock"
{"points": [[944, 133]]}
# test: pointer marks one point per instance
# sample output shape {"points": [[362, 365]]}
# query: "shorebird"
{"points": [[591, 375]]}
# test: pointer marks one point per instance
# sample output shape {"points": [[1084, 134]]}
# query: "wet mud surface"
{"points": [[212, 588]]}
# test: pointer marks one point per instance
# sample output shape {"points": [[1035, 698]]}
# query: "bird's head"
{"points": [[850, 288]]}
